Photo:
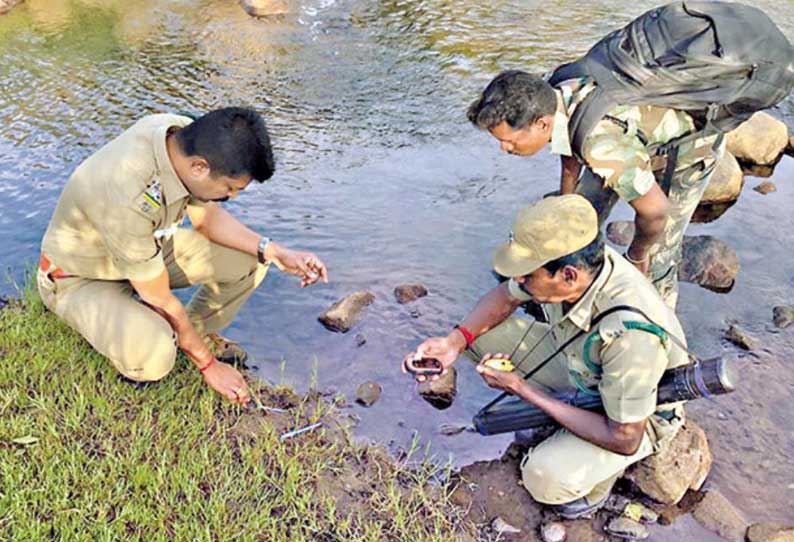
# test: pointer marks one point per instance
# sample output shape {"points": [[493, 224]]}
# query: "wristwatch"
{"points": [[260, 249]]}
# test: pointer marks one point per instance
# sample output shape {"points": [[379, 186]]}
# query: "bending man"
{"points": [[556, 257], [114, 248]]}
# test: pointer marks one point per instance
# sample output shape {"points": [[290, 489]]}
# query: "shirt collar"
{"points": [[582, 311], [173, 189], [560, 139]]}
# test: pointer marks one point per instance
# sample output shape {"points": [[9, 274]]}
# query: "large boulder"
{"points": [[770, 532], [717, 514], [726, 182], [709, 262], [682, 465], [760, 140], [344, 314]]}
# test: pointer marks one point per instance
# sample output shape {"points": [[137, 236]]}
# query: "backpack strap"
{"points": [[593, 322]]}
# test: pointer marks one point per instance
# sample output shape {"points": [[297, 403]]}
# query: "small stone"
{"points": [[368, 393], [740, 338], [766, 187], [264, 8], [708, 261], [553, 532], [344, 314], [717, 514], [616, 504], [623, 527], [406, 293], [783, 315], [500, 526], [770, 532], [440, 392], [415, 313], [621, 232], [361, 340]]}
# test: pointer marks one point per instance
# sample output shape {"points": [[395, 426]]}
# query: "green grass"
{"points": [[97, 458]]}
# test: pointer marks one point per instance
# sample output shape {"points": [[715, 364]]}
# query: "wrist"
{"points": [[461, 338], [271, 251], [262, 249], [207, 364]]}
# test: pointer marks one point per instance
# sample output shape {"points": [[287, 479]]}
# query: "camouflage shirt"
{"points": [[616, 154]]}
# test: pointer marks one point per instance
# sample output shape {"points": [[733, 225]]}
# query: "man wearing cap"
{"points": [[556, 257], [115, 249], [525, 114]]}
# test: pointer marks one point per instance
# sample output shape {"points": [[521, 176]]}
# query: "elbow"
{"points": [[627, 439], [627, 448]]}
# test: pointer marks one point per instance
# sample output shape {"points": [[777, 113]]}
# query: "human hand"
{"points": [[227, 381], [445, 349], [509, 381], [305, 265]]}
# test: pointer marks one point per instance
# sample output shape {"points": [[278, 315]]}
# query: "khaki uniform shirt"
{"points": [[119, 205], [617, 155], [631, 361]]}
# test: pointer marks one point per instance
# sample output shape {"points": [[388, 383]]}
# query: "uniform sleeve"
{"points": [[129, 237], [632, 366], [515, 291], [620, 159]]}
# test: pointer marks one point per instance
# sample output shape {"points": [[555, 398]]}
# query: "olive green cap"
{"points": [[544, 231]]}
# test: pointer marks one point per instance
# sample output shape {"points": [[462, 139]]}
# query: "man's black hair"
{"points": [[589, 258], [233, 140], [515, 97]]}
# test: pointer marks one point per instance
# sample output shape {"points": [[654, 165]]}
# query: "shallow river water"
{"points": [[380, 173]]}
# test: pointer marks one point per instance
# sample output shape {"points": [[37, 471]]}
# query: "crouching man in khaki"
{"points": [[556, 257], [114, 249]]}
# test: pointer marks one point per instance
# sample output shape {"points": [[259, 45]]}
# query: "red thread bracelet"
{"points": [[209, 364], [468, 335]]}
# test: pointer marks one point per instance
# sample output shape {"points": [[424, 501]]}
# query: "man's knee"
{"points": [[548, 484], [153, 360]]}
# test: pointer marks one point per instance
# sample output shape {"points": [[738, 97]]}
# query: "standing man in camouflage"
{"points": [[115, 250], [525, 113]]}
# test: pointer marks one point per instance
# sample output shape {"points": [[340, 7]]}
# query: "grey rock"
{"points": [[440, 392], [766, 187], [709, 262], [740, 338], [783, 315], [717, 514], [405, 293], [770, 532], [626, 528], [759, 140], [682, 465], [620, 232], [553, 531], [500, 526], [368, 393], [344, 314], [726, 182]]}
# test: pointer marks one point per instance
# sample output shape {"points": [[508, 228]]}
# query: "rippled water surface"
{"points": [[380, 173]]}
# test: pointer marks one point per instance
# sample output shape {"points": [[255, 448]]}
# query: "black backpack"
{"points": [[719, 61]]}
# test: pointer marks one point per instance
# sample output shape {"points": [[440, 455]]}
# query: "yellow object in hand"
{"points": [[500, 364]]}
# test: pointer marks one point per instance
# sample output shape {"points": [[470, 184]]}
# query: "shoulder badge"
{"points": [[152, 198]]}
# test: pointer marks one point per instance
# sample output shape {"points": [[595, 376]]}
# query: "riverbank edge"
{"points": [[90, 456]]}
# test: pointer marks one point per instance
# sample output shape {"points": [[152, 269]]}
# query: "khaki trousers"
{"points": [[139, 342], [686, 190], [564, 467]]}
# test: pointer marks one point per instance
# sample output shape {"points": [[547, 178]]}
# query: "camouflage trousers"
{"points": [[686, 189]]}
